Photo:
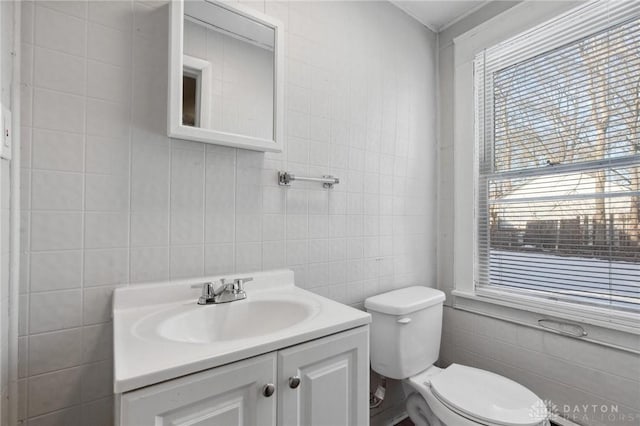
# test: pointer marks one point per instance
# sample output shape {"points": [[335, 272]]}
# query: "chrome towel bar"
{"points": [[285, 179]]}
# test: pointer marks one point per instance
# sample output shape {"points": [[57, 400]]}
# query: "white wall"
{"points": [[5, 191], [6, 76], [563, 370], [110, 200]]}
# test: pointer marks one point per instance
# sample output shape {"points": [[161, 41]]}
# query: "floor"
{"points": [[408, 422], [405, 422]]}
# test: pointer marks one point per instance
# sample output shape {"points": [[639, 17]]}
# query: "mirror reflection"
{"points": [[228, 71]]}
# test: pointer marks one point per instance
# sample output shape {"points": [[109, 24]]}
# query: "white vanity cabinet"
{"points": [[323, 382], [225, 396], [333, 387]]}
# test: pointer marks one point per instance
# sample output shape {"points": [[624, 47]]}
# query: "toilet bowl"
{"points": [[466, 396], [405, 342]]}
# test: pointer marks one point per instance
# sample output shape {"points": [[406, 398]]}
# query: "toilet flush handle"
{"points": [[405, 320]]}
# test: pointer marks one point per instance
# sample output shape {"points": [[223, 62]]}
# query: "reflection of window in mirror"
{"points": [[196, 92], [190, 101]]}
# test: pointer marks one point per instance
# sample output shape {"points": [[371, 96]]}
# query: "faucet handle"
{"points": [[207, 292], [203, 286], [238, 283]]}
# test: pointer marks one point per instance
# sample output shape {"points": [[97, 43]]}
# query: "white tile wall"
{"points": [[5, 235], [560, 369], [566, 371], [110, 200]]}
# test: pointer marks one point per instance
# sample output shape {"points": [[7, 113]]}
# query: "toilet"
{"points": [[405, 342]]}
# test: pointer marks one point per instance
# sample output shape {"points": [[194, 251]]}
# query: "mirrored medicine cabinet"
{"points": [[226, 75]]}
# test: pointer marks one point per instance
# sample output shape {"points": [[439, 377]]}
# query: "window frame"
{"points": [[604, 326]]}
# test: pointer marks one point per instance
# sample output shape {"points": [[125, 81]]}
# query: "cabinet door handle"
{"points": [[294, 382], [268, 390]]}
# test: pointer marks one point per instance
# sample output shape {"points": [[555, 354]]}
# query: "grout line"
{"points": [[67, 408], [83, 96]]}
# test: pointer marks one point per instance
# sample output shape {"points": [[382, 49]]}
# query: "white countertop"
{"points": [[143, 357]]}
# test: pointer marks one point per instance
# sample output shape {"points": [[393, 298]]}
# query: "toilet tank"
{"points": [[405, 330]]}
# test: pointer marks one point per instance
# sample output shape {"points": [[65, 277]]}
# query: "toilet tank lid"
{"points": [[404, 300]]}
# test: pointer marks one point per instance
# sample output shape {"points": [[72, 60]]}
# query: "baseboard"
{"points": [[388, 417], [561, 421], [397, 419], [557, 421]]}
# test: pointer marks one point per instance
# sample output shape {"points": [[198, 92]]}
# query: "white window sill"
{"points": [[618, 331]]}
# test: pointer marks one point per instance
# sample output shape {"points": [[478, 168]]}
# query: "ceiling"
{"points": [[438, 15]]}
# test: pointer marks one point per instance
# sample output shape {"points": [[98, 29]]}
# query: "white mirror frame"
{"points": [[175, 128]]}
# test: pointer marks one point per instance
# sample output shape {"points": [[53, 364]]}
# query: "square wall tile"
{"points": [[108, 82], [117, 15], [97, 380], [106, 192], [54, 311], [59, 31], [273, 255], [55, 270], [187, 227], [248, 257], [107, 155], [109, 45], [56, 230], [53, 391], [55, 351], [97, 305], [97, 342], [58, 111], [219, 259], [150, 177], [107, 119], [273, 227], [66, 417], [71, 8], [150, 229], [56, 190], [54, 150], [219, 226], [106, 230], [248, 228], [149, 264], [102, 267], [98, 412], [187, 261], [58, 71]]}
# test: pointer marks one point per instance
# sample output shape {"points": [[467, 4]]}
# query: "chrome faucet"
{"points": [[225, 292]]}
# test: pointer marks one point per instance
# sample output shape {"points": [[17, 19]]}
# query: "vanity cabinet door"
{"points": [[333, 386], [225, 396]]}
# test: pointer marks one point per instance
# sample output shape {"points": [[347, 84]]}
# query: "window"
{"points": [[558, 132]]}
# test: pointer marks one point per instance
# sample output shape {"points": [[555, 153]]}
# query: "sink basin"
{"points": [[161, 333], [232, 321]]}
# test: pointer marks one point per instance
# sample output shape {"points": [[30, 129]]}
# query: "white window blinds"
{"points": [[558, 126]]}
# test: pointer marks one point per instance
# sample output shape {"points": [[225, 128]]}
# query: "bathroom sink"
{"points": [[160, 331], [233, 321]]}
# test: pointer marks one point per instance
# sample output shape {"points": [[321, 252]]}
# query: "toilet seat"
{"points": [[486, 398]]}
